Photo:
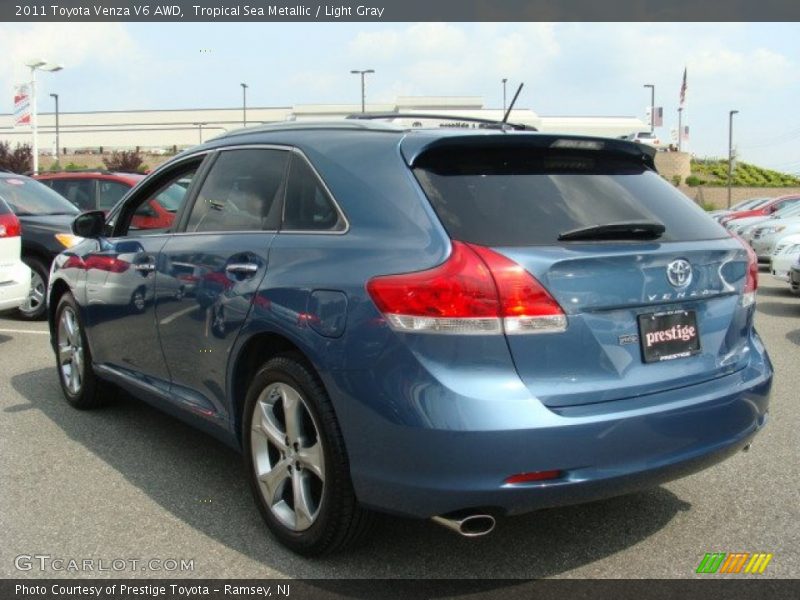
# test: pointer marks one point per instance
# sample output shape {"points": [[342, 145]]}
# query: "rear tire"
{"points": [[296, 461], [79, 384], [35, 306]]}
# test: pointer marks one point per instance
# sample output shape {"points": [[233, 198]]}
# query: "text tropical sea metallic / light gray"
{"points": [[300, 10]]}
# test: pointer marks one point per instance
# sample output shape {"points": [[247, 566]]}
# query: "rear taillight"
{"points": [[476, 290], [9, 226], [106, 263], [751, 279]]}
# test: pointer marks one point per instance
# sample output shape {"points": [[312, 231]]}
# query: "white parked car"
{"points": [[645, 137], [747, 227], [766, 236], [787, 253], [15, 276]]}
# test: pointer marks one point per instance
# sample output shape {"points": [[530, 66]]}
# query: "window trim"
{"points": [[215, 152]]}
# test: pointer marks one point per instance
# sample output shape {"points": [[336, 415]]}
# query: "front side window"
{"points": [[142, 214], [241, 193], [308, 205]]}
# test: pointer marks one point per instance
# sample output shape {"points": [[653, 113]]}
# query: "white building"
{"points": [[163, 129]]}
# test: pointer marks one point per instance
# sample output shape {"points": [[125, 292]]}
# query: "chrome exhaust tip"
{"points": [[471, 525]]}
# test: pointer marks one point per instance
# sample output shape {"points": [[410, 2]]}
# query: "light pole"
{"points": [[680, 128], [244, 104], [363, 90], [652, 105], [40, 65], [58, 142], [730, 152], [200, 130], [504, 94]]}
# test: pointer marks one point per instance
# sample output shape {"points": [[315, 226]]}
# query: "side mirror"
{"points": [[89, 224]]}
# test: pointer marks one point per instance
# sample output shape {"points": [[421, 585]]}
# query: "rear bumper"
{"points": [[15, 286], [603, 449]]}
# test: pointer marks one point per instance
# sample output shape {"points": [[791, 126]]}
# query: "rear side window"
{"points": [[527, 197], [109, 193], [308, 205], [78, 191], [241, 192]]}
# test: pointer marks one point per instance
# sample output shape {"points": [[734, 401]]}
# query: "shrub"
{"points": [[18, 160], [676, 180], [71, 166], [125, 160], [694, 181]]}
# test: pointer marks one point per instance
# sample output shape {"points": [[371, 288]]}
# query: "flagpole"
{"points": [[680, 128]]}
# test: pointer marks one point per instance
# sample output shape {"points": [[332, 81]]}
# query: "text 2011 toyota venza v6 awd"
{"points": [[456, 325]]}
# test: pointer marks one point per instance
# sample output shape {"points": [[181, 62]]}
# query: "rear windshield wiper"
{"points": [[625, 230]]}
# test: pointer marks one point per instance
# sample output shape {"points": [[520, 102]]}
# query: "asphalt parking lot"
{"points": [[128, 482]]}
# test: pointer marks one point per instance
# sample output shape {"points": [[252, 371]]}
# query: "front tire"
{"points": [[296, 461], [81, 387]]}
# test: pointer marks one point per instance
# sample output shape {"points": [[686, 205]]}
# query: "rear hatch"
{"points": [[651, 287]]}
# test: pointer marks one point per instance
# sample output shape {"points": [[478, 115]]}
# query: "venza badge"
{"points": [[679, 273]]}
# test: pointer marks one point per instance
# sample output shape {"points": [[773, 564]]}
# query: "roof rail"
{"points": [[487, 123]]}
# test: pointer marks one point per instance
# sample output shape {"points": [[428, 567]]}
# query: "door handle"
{"points": [[241, 268]]}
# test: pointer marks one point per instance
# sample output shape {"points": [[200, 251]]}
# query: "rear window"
{"points": [[527, 197]]}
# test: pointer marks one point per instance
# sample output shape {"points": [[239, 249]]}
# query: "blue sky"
{"points": [[568, 69]]}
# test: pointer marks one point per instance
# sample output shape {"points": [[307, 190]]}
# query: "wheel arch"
{"points": [[59, 287], [252, 354]]}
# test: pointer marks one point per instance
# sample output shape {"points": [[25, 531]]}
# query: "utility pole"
{"points": [[363, 86], [504, 94], [652, 106], [730, 153], [58, 142], [244, 104]]}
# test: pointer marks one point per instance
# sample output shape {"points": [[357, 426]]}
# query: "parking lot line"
{"points": [[24, 331]]}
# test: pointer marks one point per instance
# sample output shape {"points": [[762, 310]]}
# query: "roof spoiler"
{"points": [[413, 148]]}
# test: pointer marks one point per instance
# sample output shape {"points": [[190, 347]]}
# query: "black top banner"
{"points": [[399, 11]]}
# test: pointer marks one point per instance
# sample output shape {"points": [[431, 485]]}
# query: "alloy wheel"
{"points": [[35, 298], [288, 457], [70, 351]]}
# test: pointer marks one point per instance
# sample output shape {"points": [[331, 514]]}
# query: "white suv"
{"points": [[15, 276]]}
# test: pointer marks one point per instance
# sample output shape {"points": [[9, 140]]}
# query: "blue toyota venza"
{"points": [[456, 325]]}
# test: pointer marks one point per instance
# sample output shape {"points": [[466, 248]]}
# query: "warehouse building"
{"points": [[161, 130]]}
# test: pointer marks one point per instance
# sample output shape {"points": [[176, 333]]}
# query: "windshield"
{"points": [[28, 197], [749, 204], [788, 211]]}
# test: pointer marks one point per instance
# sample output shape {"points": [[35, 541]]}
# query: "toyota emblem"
{"points": [[679, 273]]}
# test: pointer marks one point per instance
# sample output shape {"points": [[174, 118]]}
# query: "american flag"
{"points": [[683, 88]]}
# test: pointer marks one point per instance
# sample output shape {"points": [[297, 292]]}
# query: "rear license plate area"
{"points": [[668, 335]]}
